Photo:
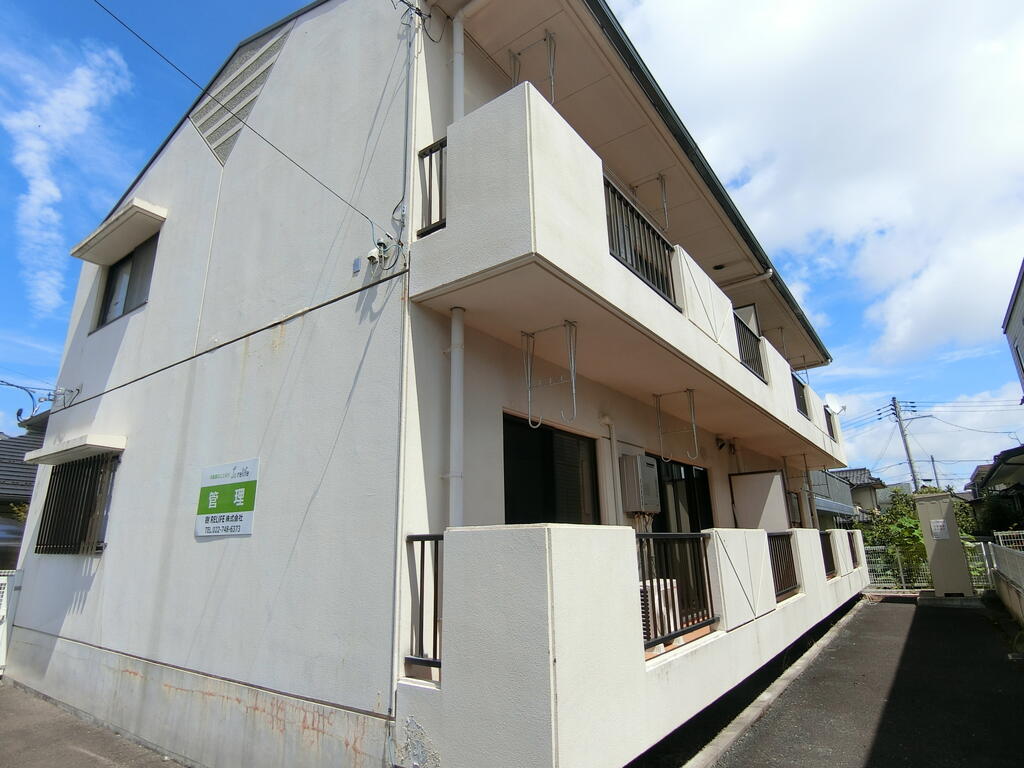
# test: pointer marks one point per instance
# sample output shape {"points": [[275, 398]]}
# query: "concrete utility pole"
{"points": [[935, 474], [906, 446]]}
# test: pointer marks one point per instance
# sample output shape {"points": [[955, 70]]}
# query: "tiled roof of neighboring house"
{"points": [[858, 477], [16, 477]]}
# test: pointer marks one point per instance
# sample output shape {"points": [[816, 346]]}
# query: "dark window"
{"points": [[685, 499], [550, 476], [74, 518], [127, 284]]}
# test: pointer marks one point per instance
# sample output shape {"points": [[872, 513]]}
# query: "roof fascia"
{"points": [[1014, 297]]}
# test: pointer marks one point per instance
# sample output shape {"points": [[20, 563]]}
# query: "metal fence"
{"points": [[828, 554], [634, 241], [800, 395], [1010, 539], [432, 169], [750, 348], [675, 591], [1009, 562], [425, 569], [780, 550], [888, 569]]}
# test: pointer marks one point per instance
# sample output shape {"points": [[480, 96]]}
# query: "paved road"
{"points": [[900, 686], [37, 734]]}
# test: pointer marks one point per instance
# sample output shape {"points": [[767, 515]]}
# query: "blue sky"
{"points": [[874, 149]]}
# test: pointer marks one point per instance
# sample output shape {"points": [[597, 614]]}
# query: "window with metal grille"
{"points": [[74, 520]]}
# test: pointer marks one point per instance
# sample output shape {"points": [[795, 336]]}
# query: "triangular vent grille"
{"points": [[218, 117]]}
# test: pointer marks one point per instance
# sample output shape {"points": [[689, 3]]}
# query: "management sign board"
{"points": [[227, 499]]}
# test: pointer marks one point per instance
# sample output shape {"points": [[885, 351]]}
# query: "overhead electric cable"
{"points": [[259, 135]]}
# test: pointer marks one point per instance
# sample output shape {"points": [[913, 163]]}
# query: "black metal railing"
{"points": [[800, 393], [426, 592], [750, 348], [830, 422], [854, 554], [675, 590], [780, 551], [634, 241], [433, 160], [828, 554]]}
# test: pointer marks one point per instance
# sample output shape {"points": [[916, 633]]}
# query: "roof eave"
{"points": [[617, 37]]}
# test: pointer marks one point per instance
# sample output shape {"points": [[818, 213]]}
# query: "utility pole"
{"points": [[935, 473], [906, 446]]}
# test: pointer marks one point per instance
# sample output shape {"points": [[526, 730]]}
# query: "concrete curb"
{"points": [[719, 745]]}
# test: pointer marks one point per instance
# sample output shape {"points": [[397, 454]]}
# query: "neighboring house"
{"points": [[17, 479], [864, 488], [884, 495], [833, 500], [320, 501], [973, 486], [1013, 326]]}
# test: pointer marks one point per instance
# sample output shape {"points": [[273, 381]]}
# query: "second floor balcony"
{"points": [[525, 230]]}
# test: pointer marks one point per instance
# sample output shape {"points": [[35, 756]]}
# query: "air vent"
{"points": [[218, 117]]}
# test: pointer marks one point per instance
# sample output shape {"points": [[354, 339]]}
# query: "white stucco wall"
{"points": [[563, 644], [304, 606], [522, 184]]}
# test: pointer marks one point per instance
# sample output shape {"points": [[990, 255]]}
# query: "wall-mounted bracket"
{"points": [[528, 339], [693, 424], [515, 63]]}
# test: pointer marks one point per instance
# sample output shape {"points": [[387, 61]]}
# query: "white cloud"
{"points": [[881, 140], [59, 110]]}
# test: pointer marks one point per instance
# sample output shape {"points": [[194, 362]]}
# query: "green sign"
{"points": [[227, 499]]}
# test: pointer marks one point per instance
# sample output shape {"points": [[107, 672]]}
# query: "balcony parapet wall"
{"points": [[547, 668], [523, 188]]}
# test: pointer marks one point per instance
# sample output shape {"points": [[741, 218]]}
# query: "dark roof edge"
{"points": [[617, 36], [998, 461], [149, 163], [1014, 296]]}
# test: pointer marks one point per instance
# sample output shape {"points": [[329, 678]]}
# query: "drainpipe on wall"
{"points": [[459, 57], [456, 405], [616, 480]]}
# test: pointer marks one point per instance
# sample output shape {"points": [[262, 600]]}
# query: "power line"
{"points": [[231, 112]]}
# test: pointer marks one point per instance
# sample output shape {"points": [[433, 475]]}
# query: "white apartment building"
{"points": [[428, 403]]}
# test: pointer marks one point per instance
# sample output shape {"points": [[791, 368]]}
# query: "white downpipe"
{"points": [[459, 57], [616, 479], [456, 402]]}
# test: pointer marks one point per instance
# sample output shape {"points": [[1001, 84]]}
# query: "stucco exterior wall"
{"points": [[571, 670], [494, 386], [305, 606]]}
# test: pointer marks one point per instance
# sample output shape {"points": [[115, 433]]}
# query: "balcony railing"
{"points": [[750, 348], [425, 552], [780, 550], [800, 393], [828, 554], [432, 168], [830, 423], [675, 590], [851, 537], [634, 241]]}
